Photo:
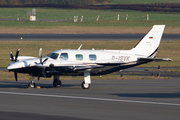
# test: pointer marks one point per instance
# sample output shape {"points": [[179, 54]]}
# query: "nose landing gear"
{"points": [[32, 83]]}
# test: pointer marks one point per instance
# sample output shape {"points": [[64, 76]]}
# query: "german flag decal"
{"points": [[150, 37]]}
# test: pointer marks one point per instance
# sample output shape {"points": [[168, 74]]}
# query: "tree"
{"points": [[65, 2]]}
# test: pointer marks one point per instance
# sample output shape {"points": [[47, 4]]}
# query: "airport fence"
{"points": [[112, 18]]}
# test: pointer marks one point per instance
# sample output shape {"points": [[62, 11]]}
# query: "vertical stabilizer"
{"points": [[149, 44]]}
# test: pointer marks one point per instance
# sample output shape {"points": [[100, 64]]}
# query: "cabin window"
{"points": [[79, 57], [92, 57], [64, 56]]}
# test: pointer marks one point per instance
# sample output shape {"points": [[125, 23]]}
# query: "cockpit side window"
{"points": [[53, 55], [64, 56]]}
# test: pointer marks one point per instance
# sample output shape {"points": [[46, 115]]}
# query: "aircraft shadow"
{"points": [[34, 116], [24, 85], [150, 95]]}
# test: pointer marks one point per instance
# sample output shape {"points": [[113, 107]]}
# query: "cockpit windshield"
{"points": [[53, 55]]}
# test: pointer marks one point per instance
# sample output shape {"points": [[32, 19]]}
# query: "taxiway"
{"points": [[106, 99], [75, 37]]}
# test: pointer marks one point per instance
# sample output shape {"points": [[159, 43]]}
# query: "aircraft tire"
{"points": [[57, 83], [31, 85], [85, 86]]}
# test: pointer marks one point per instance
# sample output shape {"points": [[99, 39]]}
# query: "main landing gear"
{"points": [[87, 80], [56, 82], [85, 84]]}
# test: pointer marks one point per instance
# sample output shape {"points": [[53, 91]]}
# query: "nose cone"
{"points": [[15, 65]]}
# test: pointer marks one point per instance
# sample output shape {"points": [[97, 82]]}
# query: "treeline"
{"points": [[156, 7], [62, 2], [90, 4]]}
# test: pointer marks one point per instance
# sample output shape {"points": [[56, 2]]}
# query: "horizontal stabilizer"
{"points": [[156, 59]]}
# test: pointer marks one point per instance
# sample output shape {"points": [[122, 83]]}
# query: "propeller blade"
{"points": [[38, 76], [11, 56], [40, 55], [15, 75], [44, 61], [44, 72], [40, 65], [17, 53]]}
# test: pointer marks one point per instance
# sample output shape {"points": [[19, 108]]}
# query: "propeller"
{"points": [[11, 56], [40, 65], [15, 60], [40, 58], [17, 53], [16, 56], [15, 75], [40, 55]]}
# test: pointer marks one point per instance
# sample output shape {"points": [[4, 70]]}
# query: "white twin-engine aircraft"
{"points": [[88, 62]]}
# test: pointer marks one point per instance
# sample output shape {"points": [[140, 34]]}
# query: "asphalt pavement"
{"points": [[105, 100]]}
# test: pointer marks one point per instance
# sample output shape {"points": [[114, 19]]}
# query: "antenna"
{"points": [[80, 47]]}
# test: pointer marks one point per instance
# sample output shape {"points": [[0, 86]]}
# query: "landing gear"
{"points": [[87, 80], [85, 85], [56, 82], [32, 83]]}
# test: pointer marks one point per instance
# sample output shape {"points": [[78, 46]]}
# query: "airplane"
{"points": [[88, 62]]}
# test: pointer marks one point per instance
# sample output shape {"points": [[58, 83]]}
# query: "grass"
{"points": [[107, 17], [144, 1], [167, 49], [5, 75], [42, 25]]}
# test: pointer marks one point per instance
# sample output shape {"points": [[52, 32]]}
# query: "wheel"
{"points": [[57, 83], [32, 84], [85, 86]]}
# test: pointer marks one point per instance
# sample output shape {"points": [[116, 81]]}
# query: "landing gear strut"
{"points": [[87, 80], [56, 82]]}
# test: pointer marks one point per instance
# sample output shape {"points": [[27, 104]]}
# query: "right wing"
{"points": [[110, 62]]}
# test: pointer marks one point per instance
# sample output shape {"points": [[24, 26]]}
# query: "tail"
{"points": [[148, 46]]}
